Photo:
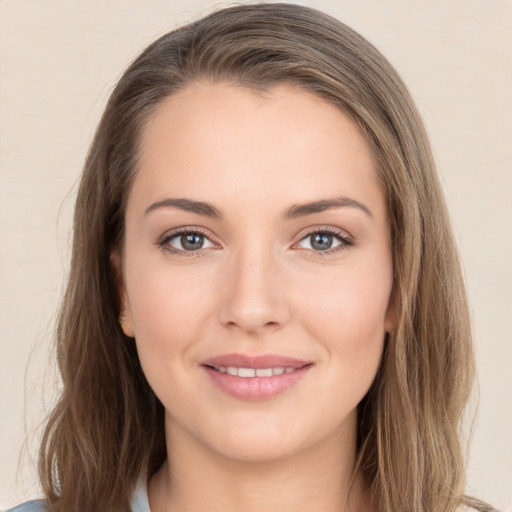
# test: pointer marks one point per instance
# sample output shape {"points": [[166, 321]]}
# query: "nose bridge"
{"points": [[254, 298]]}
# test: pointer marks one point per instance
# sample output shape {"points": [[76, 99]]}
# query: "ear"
{"points": [[125, 314], [390, 320]]}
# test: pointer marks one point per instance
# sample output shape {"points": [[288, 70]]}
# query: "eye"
{"points": [[325, 241], [186, 241]]}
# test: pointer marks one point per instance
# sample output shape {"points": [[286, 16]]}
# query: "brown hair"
{"points": [[108, 426]]}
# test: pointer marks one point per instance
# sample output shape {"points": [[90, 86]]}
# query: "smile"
{"points": [[255, 377], [253, 372]]}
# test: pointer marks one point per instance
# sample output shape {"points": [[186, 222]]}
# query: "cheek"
{"points": [[348, 305], [347, 316], [170, 307], [351, 331], [166, 303], [168, 311]]}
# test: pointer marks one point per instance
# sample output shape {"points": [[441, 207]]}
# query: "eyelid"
{"points": [[346, 240], [163, 241]]}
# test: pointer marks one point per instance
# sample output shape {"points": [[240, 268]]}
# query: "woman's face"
{"points": [[257, 269]]}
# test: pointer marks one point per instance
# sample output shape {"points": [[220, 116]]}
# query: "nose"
{"points": [[254, 296]]}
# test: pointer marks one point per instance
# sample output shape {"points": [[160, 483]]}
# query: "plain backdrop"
{"points": [[60, 59]]}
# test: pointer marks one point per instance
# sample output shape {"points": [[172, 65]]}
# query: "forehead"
{"points": [[219, 141]]}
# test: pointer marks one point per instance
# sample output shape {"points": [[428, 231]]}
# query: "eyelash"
{"points": [[163, 243], [345, 241]]}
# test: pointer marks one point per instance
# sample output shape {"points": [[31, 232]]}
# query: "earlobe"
{"points": [[390, 320], [125, 317], [126, 324], [389, 324]]}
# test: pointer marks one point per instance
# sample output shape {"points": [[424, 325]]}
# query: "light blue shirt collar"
{"points": [[140, 502]]}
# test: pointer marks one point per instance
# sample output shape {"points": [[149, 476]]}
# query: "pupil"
{"points": [[321, 241], [192, 241]]}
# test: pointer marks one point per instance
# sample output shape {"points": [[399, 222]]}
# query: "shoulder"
{"points": [[139, 502], [30, 506], [481, 507]]}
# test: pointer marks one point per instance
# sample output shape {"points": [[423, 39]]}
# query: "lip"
{"points": [[255, 388], [257, 362]]}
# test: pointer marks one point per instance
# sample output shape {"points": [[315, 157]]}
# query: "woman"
{"points": [[265, 306]]}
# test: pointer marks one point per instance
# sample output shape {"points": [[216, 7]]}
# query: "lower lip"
{"points": [[252, 389]]}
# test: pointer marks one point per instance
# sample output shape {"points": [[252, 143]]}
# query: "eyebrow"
{"points": [[188, 205], [301, 210], [293, 212]]}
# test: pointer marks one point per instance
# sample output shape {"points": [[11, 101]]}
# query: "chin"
{"points": [[269, 439], [265, 448]]}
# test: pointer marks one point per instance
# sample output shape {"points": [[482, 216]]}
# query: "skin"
{"points": [[257, 286]]}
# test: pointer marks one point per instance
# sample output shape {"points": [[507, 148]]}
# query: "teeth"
{"points": [[246, 372], [252, 372], [264, 372]]}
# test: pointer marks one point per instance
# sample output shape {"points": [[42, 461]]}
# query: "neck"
{"points": [[319, 479]]}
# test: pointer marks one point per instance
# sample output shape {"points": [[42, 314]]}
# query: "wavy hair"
{"points": [[108, 425]]}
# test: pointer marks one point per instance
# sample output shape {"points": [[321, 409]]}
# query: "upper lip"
{"points": [[256, 362]]}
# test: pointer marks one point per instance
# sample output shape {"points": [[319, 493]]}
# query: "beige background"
{"points": [[58, 62]]}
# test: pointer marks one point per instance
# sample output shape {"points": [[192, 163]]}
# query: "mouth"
{"points": [[255, 378], [253, 372]]}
